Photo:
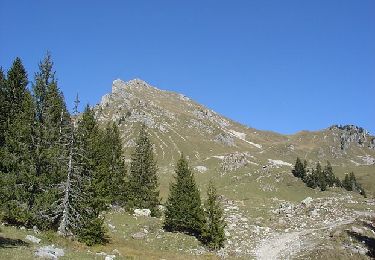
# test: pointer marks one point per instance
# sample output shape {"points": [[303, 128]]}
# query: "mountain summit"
{"points": [[217, 145]]}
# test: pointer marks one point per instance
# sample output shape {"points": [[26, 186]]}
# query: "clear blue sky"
{"points": [[275, 65]]}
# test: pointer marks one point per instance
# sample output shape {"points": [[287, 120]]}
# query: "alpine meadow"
{"points": [[187, 130]]}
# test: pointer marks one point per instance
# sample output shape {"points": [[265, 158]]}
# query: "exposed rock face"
{"points": [[351, 134], [234, 161]]}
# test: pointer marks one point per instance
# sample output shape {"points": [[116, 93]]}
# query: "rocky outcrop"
{"points": [[351, 134]]}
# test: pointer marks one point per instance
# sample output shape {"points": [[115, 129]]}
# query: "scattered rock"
{"points": [[142, 212], [139, 235], [36, 230], [111, 226], [49, 252], [33, 239], [110, 257], [307, 202], [201, 169]]}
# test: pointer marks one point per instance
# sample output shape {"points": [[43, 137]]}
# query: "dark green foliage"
{"points": [[184, 212], [16, 161], [142, 185], [331, 179], [325, 178], [299, 170], [350, 184], [93, 232], [213, 233], [321, 178], [50, 133]]}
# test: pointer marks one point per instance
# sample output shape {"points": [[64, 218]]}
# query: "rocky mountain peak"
{"points": [[119, 85]]}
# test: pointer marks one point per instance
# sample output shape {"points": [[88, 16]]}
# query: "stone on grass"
{"points": [[33, 239], [49, 252], [142, 212], [139, 235]]}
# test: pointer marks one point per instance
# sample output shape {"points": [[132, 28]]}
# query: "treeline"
{"points": [[61, 171], [324, 178]]}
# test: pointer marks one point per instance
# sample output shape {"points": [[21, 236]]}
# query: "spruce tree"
{"points": [[213, 234], [113, 164], [321, 178], [91, 230], [331, 179], [142, 186], [16, 162], [184, 211], [51, 129], [299, 170], [82, 203]]}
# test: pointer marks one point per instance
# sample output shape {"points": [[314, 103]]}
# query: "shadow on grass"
{"points": [[9, 242], [368, 241]]}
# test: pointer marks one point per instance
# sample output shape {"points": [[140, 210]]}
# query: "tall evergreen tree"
{"points": [[91, 230], [82, 205], [142, 186], [51, 131], [213, 233], [16, 163], [184, 211], [3, 108], [71, 204], [113, 164]]}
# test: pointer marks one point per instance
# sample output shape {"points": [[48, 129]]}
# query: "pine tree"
{"points": [[331, 179], [213, 234], [51, 130], [299, 170], [184, 212], [321, 178], [93, 201], [113, 164], [142, 186], [73, 196], [16, 162], [3, 109], [81, 206]]}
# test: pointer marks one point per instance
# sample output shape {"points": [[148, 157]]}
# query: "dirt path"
{"points": [[288, 245]]}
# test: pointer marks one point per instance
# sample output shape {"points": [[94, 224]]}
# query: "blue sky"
{"points": [[276, 65]]}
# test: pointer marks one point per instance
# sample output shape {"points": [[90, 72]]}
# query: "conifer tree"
{"points": [[142, 186], [16, 162], [299, 169], [91, 230], [213, 234], [321, 178], [82, 203], [73, 196], [184, 212], [51, 129], [350, 184], [113, 164], [331, 179], [3, 111]]}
